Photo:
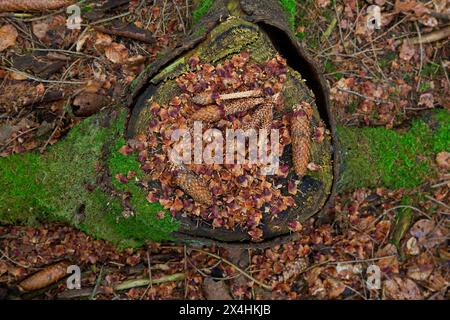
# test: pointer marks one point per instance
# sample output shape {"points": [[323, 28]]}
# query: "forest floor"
{"points": [[52, 77]]}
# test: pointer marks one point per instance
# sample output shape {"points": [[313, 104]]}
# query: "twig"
{"points": [[437, 185], [360, 95], [431, 37], [13, 261], [409, 207], [145, 282], [421, 57], [97, 284], [150, 286], [437, 201], [29, 76], [263, 285]]}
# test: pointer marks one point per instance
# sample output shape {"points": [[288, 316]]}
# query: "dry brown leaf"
{"points": [[8, 37], [407, 51], [116, 53], [216, 290], [422, 228], [401, 289], [421, 268], [412, 247], [87, 103], [426, 100], [437, 282], [443, 160]]}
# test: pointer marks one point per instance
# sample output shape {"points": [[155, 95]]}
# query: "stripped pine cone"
{"points": [[207, 98], [262, 118], [193, 185], [208, 114], [33, 5], [214, 113], [300, 136], [241, 105]]}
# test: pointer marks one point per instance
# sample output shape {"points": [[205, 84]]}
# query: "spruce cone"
{"points": [[262, 118], [45, 277], [208, 114], [241, 105], [33, 5], [214, 113], [300, 135], [193, 186]]}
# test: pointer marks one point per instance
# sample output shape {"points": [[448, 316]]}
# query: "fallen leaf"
{"points": [[412, 247], [86, 104], [426, 100], [407, 51], [401, 289], [421, 268], [443, 160], [8, 36], [216, 290], [116, 53], [421, 228]]}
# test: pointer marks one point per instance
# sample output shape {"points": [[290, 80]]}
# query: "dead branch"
{"points": [[431, 37]]}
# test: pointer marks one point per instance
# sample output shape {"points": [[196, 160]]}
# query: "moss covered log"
{"points": [[71, 183], [74, 181]]}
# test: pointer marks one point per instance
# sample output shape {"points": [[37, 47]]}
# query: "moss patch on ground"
{"points": [[290, 6], [394, 159], [201, 9]]}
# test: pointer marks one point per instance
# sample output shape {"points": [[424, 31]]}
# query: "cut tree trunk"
{"points": [[74, 181]]}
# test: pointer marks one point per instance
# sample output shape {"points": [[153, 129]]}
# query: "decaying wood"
{"points": [[44, 278], [300, 136], [33, 5]]}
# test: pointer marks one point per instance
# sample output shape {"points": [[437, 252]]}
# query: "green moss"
{"points": [[144, 218], [68, 184], [290, 6], [201, 9], [430, 69], [383, 157]]}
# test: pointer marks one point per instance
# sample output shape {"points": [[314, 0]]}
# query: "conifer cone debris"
{"points": [[215, 113], [208, 114], [241, 105], [193, 185], [33, 5], [300, 136], [45, 277], [262, 118]]}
